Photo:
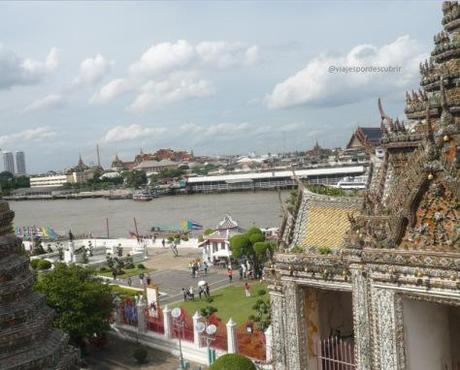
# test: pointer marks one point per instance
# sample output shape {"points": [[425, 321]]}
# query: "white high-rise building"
{"points": [[20, 163], [8, 162]]}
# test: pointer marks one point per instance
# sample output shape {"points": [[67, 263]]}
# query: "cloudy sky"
{"points": [[215, 77]]}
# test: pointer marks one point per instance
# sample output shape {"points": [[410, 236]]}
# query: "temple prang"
{"points": [[27, 339]]}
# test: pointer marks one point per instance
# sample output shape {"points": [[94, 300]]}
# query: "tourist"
{"points": [[205, 266], [149, 280], [206, 290], [184, 292], [240, 270], [200, 291], [192, 295], [247, 289], [141, 278], [114, 274], [230, 275], [130, 281], [163, 243]]}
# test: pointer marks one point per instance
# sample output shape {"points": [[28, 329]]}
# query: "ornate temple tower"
{"points": [[382, 277], [27, 340]]}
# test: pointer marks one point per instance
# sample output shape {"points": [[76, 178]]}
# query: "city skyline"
{"points": [[213, 78]]}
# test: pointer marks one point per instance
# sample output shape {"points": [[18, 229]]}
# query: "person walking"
{"points": [[184, 292], [206, 290], [240, 270], [163, 243], [141, 279], [192, 295], [205, 266], [130, 281], [230, 275], [247, 290], [149, 280], [200, 292]]}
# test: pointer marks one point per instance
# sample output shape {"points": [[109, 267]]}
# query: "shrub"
{"points": [[140, 266], [261, 292], [325, 250], [140, 355], [232, 361], [43, 264], [34, 263], [129, 265], [103, 269]]}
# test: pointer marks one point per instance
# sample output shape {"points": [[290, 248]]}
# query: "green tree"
{"points": [[253, 246], [83, 303], [135, 178]]}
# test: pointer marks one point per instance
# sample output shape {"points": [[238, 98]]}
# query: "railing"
{"points": [[454, 365], [129, 312], [155, 320], [220, 338], [186, 332], [335, 353], [251, 342]]}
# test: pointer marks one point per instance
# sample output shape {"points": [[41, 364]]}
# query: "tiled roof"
{"points": [[322, 221], [227, 223]]}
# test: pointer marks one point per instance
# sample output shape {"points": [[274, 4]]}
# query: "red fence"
{"points": [[335, 354], [186, 332], [155, 320], [220, 338], [251, 344]]}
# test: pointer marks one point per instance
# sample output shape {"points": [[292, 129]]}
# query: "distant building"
{"points": [[216, 246], [20, 163], [8, 162], [54, 180], [365, 138]]}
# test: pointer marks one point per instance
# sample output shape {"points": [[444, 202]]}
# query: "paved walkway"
{"points": [[171, 282], [117, 355], [172, 274]]}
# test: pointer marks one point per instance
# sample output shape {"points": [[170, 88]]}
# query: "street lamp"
{"points": [[207, 332], [179, 323]]}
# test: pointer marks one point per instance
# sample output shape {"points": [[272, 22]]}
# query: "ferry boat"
{"points": [[358, 182], [142, 195]]}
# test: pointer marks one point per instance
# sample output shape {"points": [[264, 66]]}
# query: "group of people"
{"points": [[203, 290], [196, 265]]}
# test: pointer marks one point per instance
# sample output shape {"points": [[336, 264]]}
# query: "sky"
{"points": [[227, 77]]}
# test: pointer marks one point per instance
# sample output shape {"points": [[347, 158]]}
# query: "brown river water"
{"points": [[89, 215]]}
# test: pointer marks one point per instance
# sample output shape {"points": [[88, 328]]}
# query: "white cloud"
{"points": [[226, 55], [216, 130], [155, 94], [164, 57], [15, 70], [316, 85], [38, 134], [93, 70], [49, 101], [162, 74], [130, 132], [111, 90]]}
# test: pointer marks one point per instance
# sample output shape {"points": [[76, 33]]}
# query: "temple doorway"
{"points": [[432, 335], [329, 324]]}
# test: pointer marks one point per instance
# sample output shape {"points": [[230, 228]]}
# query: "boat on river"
{"points": [[142, 195]]}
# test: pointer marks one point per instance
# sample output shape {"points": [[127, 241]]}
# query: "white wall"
{"points": [[427, 335]]}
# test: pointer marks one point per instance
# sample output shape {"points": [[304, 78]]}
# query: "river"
{"points": [[89, 215]]}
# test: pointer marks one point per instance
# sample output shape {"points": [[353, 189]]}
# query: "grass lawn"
{"points": [[128, 272], [230, 302], [124, 292]]}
